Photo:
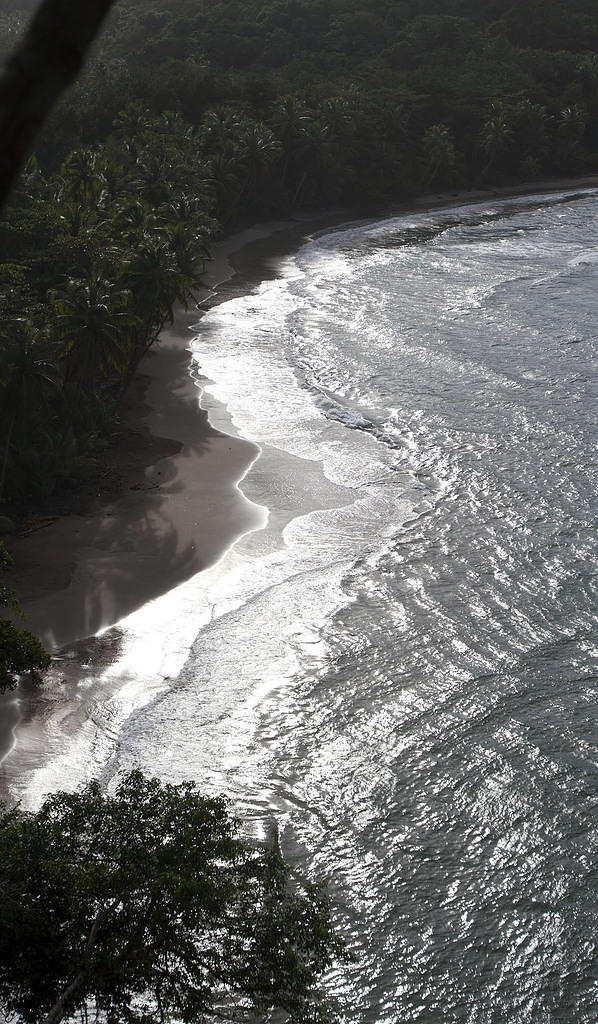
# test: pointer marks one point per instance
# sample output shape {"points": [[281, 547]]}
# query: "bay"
{"points": [[402, 692]]}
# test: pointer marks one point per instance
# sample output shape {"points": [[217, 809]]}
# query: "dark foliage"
{"points": [[147, 907], [20, 651], [240, 111]]}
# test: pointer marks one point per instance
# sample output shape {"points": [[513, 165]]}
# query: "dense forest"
{"points": [[192, 119]]}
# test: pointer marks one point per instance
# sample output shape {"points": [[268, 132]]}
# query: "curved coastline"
{"points": [[182, 508], [179, 511], [179, 506], [65, 572]]}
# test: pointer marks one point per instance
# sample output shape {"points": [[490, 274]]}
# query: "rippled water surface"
{"points": [[406, 690], [448, 752]]}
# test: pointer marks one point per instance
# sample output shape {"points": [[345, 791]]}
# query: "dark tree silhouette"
{"points": [[47, 60]]}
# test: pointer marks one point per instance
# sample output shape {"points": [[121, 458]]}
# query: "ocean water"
{"points": [[403, 690]]}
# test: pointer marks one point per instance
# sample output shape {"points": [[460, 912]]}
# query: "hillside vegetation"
{"points": [[193, 118]]}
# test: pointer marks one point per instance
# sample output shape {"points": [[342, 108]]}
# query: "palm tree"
{"points": [[261, 151], [221, 129], [315, 158], [495, 136], [131, 123], [27, 378], [587, 69], [227, 176], [82, 176], [113, 168], [190, 252], [291, 119], [31, 182], [154, 173], [571, 125], [530, 123], [440, 151], [78, 219], [191, 208], [172, 125], [154, 279], [338, 115], [94, 321], [132, 218]]}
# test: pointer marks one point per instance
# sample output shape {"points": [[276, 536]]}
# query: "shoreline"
{"points": [[179, 511], [82, 573], [161, 418], [180, 507]]}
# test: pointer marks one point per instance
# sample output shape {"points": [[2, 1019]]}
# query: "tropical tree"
{"points": [[82, 177], [27, 377], [530, 131], [495, 136], [227, 176], [439, 149], [315, 159], [587, 69], [151, 274], [221, 130], [20, 651], [78, 219], [133, 218], [146, 907], [31, 183], [571, 125], [193, 209], [338, 114], [261, 151], [130, 125], [189, 249], [115, 180], [291, 119], [94, 321], [155, 174]]}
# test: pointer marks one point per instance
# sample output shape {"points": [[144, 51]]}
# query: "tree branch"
{"points": [[60, 1007], [46, 61]]}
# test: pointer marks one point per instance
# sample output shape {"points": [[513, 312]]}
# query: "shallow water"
{"points": [[404, 692]]}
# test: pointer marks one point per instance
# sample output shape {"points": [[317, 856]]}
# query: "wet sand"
{"points": [[180, 507], [81, 574]]}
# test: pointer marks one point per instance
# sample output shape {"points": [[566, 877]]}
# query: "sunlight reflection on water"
{"points": [[403, 692]]}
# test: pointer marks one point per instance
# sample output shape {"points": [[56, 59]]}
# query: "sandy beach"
{"points": [[180, 506], [177, 507]]}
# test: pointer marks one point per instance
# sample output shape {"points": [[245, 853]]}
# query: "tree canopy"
{"points": [[146, 906], [191, 119], [20, 651]]}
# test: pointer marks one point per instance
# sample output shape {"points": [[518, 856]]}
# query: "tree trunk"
{"points": [[47, 60], [61, 1006]]}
